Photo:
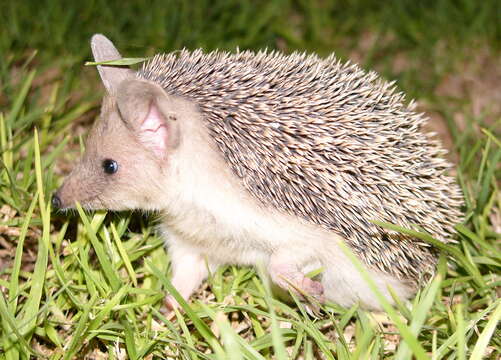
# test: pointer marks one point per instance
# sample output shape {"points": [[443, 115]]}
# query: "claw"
{"points": [[308, 290], [168, 308]]}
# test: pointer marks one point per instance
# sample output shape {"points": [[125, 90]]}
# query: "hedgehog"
{"points": [[263, 158]]}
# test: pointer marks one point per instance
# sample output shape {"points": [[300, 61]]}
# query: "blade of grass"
{"points": [[471, 326], [121, 62], [461, 331], [276, 336], [30, 309], [78, 336], [106, 310], [6, 144], [307, 325], [109, 272], [9, 326], [228, 336], [20, 98], [421, 312], [123, 254], [364, 338], [202, 327], [187, 335], [487, 178], [16, 267], [129, 339], [48, 112], [404, 330], [456, 254], [59, 271], [483, 340]]}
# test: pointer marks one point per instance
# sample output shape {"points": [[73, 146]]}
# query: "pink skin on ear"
{"points": [[153, 131]]}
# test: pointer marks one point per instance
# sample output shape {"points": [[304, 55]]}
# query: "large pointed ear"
{"points": [[104, 50], [150, 112]]}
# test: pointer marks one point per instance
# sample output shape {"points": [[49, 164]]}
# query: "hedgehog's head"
{"points": [[128, 149]]}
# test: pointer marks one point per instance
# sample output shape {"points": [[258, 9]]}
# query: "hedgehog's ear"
{"points": [[147, 110], [104, 50]]}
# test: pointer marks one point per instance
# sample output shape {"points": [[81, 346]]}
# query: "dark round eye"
{"points": [[110, 166]]}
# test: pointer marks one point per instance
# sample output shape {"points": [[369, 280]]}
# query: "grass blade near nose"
{"points": [[108, 270]]}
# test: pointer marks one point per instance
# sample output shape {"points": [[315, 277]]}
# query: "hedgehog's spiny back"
{"points": [[324, 141]]}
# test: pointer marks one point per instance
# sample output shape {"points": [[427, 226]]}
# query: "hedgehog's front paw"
{"points": [[169, 304]]}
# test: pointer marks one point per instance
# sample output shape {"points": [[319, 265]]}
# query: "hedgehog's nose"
{"points": [[56, 201]]}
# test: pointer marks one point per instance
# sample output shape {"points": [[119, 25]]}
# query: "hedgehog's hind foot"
{"points": [[289, 277]]}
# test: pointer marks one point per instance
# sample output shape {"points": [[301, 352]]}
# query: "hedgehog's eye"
{"points": [[110, 166]]}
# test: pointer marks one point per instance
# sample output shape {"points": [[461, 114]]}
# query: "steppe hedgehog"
{"points": [[263, 157]]}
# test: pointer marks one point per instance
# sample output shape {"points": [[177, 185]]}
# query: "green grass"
{"points": [[90, 285]]}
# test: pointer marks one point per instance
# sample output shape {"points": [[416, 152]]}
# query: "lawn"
{"points": [[90, 285]]}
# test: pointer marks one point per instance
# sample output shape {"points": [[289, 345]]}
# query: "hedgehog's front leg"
{"points": [[189, 269], [289, 276]]}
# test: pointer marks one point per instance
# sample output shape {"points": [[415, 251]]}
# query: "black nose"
{"points": [[56, 202]]}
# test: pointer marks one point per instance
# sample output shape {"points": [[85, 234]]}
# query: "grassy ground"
{"points": [[90, 285]]}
